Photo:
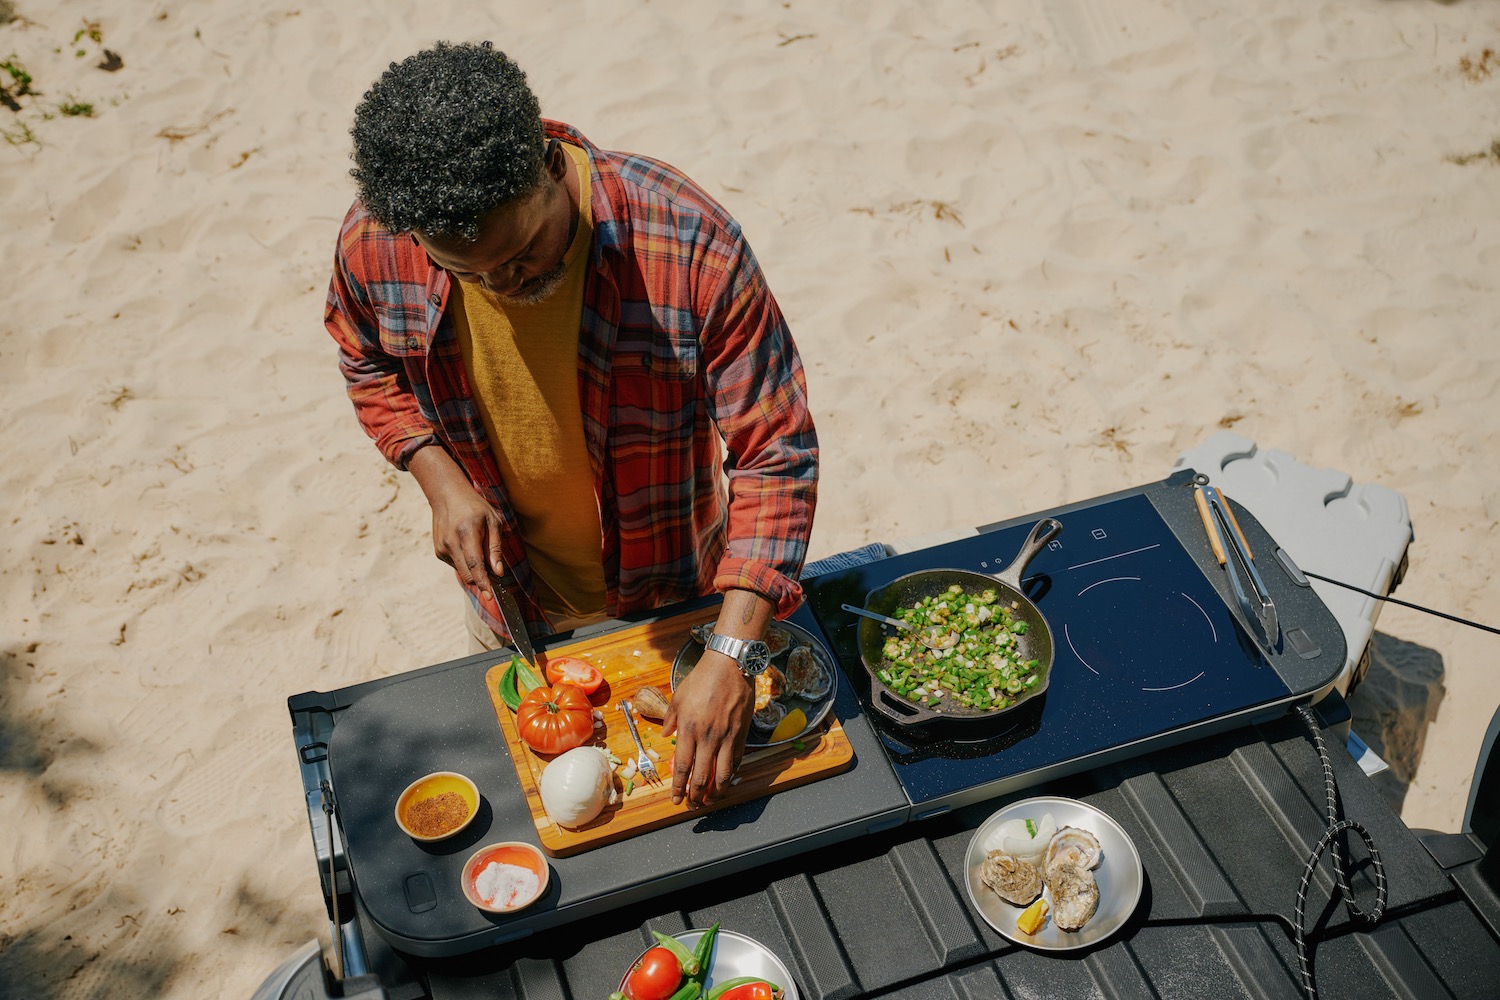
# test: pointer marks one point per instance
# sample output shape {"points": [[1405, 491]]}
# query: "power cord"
{"points": [[1335, 827], [1405, 604]]}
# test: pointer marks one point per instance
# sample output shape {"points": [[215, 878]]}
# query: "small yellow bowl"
{"points": [[431, 786], [510, 852]]}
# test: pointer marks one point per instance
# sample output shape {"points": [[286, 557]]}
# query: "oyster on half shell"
{"points": [[1075, 846], [1013, 880], [1075, 894]]}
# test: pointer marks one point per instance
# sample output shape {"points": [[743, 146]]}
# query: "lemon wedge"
{"points": [[1033, 917], [792, 725]]}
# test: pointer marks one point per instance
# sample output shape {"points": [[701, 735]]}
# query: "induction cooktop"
{"points": [[1148, 650]]}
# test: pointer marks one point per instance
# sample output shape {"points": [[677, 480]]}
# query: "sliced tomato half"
{"points": [[571, 670]]}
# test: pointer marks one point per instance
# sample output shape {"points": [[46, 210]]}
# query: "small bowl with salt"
{"points": [[505, 877], [436, 806]]}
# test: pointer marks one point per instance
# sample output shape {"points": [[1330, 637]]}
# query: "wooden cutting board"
{"points": [[631, 658]]}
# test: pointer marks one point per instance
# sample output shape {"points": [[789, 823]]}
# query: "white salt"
{"points": [[505, 885]]}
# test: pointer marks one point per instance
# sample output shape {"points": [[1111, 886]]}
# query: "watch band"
{"points": [[752, 655]]}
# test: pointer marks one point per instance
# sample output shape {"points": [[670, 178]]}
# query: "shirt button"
{"points": [[411, 343], [434, 298]]}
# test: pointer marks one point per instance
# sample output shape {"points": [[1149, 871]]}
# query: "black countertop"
{"points": [[1223, 825], [388, 736]]}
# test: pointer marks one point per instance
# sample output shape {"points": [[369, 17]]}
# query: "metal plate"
{"points": [[1119, 876], [816, 711], [734, 955]]}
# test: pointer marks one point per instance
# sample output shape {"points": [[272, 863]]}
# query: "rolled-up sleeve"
{"points": [[758, 398], [378, 383]]}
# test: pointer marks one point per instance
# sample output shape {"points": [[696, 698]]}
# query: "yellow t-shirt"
{"points": [[522, 361]]}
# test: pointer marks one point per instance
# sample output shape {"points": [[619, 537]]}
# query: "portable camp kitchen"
{"points": [[1152, 655]]}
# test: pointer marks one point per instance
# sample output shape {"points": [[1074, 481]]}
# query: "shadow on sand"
{"points": [[1394, 706]]}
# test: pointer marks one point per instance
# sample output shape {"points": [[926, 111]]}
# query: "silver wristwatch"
{"points": [[752, 655]]}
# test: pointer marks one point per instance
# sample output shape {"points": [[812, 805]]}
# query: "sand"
{"points": [[1031, 251]]}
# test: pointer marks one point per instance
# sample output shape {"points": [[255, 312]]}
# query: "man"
{"points": [[567, 402]]}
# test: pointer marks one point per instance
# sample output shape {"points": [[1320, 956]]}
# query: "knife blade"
{"points": [[515, 622]]}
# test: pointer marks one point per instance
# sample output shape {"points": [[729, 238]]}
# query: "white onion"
{"points": [[577, 785], [1012, 838]]}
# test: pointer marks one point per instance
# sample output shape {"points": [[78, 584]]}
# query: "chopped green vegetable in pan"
{"points": [[981, 670]]}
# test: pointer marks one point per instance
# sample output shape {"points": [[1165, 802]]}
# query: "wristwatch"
{"points": [[752, 655]]}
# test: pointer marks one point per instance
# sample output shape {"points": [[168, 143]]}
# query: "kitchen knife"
{"points": [[515, 622]]}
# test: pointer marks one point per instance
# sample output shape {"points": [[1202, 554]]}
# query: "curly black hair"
{"points": [[445, 137]]}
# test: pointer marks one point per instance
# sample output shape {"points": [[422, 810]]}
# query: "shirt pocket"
{"points": [[655, 385], [402, 327]]}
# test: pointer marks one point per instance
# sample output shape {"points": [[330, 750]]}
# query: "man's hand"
{"points": [[465, 529], [711, 708], [710, 713]]}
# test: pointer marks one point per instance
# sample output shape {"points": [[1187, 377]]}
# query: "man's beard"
{"points": [[540, 288]]}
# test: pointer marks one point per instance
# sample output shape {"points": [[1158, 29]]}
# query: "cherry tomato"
{"points": [[751, 991], [571, 670], [554, 719], [655, 976]]}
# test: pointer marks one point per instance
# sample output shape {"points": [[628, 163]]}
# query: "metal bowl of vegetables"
{"points": [[995, 652]]}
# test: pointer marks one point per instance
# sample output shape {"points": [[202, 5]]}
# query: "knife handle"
{"points": [[1209, 526]]}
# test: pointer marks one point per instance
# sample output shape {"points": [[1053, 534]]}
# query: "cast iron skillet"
{"points": [[905, 591]]}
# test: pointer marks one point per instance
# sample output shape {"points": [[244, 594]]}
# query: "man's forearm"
{"points": [[745, 615], [436, 472]]}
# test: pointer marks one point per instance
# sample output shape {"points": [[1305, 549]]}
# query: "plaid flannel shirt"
{"points": [[681, 343]]}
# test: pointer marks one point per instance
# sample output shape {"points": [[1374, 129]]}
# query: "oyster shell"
{"points": [[1013, 880], [770, 685], [768, 717], [778, 639], [651, 702], [1076, 846], [1075, 894], [805, 674]]}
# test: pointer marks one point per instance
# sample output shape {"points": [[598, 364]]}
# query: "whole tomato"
{"points": [[553, 719], [654, 977], [571, 670]]}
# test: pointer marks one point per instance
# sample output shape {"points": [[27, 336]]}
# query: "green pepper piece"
{"points": [[508, 693]]}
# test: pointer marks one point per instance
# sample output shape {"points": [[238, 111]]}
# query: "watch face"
{"points": [[756, 657]]}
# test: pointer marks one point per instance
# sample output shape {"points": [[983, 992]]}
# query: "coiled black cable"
{"points": [[1335, 827]]}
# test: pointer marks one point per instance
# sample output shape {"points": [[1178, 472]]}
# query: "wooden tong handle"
{"points": [[1235, 521], [1209, 526], [1213, 535]]}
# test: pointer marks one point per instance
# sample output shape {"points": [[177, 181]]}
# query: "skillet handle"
{"points": [[891, 705], [1042, 532]]}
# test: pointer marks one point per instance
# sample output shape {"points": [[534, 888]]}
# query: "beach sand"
{"points": [[1031, 251]]}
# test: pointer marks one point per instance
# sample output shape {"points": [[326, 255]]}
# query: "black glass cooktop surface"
{"points": [[1144, 648]]}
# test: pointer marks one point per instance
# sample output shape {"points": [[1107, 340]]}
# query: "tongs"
{"points": [[1233, 553]]}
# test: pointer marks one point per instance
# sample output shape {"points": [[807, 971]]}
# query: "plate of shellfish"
{"points": [[792, 696], [1053, 874]]}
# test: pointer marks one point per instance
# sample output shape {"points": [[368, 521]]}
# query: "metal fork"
{"points": [[644, 766]]}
